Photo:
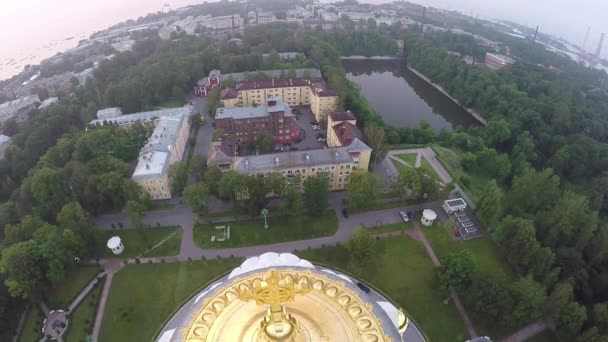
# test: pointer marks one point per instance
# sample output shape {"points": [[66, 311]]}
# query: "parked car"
{"points": [[320, 135], [363, 287], [321, 139], [410, 215], [316, 128], [345, 212], [404, 216]]}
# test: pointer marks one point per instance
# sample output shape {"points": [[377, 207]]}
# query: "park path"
{"points": [[417, 234], [84, 292], [527, 332], [430, 156], [21, 322], [110, 267]]}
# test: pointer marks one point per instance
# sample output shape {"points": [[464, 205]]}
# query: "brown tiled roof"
{"points": [[318, 86], [342, 116], [265, 84], [321, 88], [347, 132], [229, 93]]}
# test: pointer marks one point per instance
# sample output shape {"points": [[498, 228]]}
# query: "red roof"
{"points": [[346, 133], [342, 116], [229, 93], [318, 86]]}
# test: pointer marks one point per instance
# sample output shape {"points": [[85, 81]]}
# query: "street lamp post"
{"points": [[264, 213]]}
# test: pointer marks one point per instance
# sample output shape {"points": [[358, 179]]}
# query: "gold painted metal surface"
{"points": [[285, 305]]}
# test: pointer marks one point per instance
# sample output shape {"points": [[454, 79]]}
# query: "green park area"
{"points": [[32, 326], [471, 182], [415, 290], [83, 317], [144, 296], [145, 242], [252, 232], [488, 259], [62, 295], [388, 228], [410, 158]]}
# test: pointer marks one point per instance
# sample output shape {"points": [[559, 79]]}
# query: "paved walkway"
{"points": [[110, 268], [418, 235], [20, 325], [84, 292], [430, 156], [528, 331], [53, 317]]}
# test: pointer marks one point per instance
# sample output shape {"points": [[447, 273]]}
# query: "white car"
{"points": [[321, 139], [404, 216]]}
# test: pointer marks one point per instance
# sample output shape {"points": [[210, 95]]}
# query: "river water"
{"points": [[402, 98]]}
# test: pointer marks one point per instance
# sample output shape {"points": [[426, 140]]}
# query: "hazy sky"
{"points": [[26, 25]]}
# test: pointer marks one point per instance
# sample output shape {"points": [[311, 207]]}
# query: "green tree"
{"points": [[518, 234], [197, 197], [600, 316], [212, 177], [529, 297], [178, 173], [360, 246], [198, 166], [264, 143], [295, 205], [135, 213], [276, 184], [571, 319], [21, 265], [362, 190], [490, 296], [456, 271], [376, 138], [408, 180], [316, 195], [72, 215], [489, 205]]}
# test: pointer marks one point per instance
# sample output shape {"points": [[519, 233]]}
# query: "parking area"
{"points": [[310, 135]]}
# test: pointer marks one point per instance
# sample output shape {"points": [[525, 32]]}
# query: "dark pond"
{"points": [[403, 98]]}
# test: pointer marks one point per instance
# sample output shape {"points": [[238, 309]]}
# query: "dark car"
{"points": [[363, 287], [344, 212], [320, 135], [410, 215]]}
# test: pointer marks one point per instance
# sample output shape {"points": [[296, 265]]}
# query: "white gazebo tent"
{"points": [[115, 244], [428, 217]]}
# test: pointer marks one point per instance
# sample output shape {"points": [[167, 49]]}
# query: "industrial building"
{"points": [[18, 108], [497, 61]]}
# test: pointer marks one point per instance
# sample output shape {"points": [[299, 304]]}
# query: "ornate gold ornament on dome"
{"points": [[301, 305]]}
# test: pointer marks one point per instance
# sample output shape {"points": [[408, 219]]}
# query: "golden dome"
{"points": [[283, 298]]}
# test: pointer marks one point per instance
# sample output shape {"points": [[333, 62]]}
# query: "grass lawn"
{"points": [[168, 248], [252, 232], [82, 318], [409, 158], [488, 258], [137, 242], [144, 296], [450, 159], [403, 271], [62, 295], [424, 166], [32, 327]]}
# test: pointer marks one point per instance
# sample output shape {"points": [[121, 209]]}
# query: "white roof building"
{"points": [[155, 156], [129, 119], [108, 113], [48, 102]]}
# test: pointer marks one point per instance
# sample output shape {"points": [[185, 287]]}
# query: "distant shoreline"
{"points": [[372, 57], [471, 111]]}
